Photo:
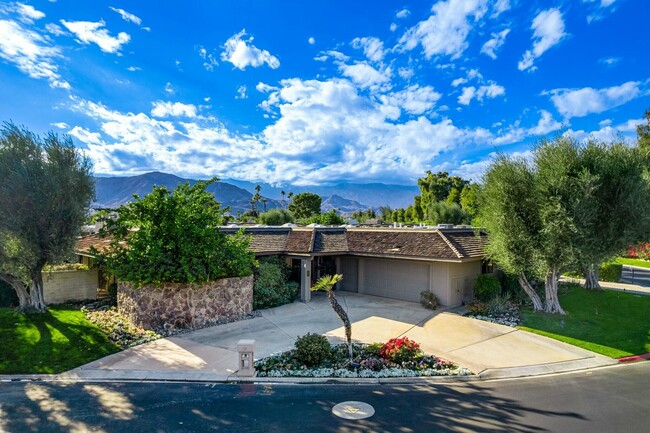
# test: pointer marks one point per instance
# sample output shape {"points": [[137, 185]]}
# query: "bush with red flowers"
{"points": [[639, 251], [399, 349]]}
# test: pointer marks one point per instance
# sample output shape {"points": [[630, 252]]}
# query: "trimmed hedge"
{"points": [[610, 272], [271, 287], [486, 287]]}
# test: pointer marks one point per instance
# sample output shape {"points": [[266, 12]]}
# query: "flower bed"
{"points": [[505, 314], [367, 362], [118, 328]]}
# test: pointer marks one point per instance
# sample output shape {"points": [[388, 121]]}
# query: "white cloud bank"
{"points": [[495, 43], [173, 109], [126, 16], [240, 51]]}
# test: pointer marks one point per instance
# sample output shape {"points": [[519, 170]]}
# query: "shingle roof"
{"points": [[436, 244]]}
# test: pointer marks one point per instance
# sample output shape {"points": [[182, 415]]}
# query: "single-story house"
{"points": [[396, 263]]}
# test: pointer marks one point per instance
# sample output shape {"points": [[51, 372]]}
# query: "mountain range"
{"points": [[346, 197]]}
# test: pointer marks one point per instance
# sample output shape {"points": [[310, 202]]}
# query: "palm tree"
{"points": [[283, 194], [264, 200], [326, 284]]}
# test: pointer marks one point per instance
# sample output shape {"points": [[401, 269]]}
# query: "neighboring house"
{"points": [[396, 263]]}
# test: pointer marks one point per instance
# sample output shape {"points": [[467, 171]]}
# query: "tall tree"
{"points": [[305, 205], [510, 216], [438, 187], [46, 189], [620, 214]]}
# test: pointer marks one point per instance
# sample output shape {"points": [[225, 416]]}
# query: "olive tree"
{"points": [[46, 189]]}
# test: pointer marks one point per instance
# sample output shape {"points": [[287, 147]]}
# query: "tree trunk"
{"points": [[24, 300], [344, 318], [591, 277], [532, 294], [36, 293], [552, 301]]}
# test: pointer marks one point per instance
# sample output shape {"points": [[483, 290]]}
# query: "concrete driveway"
{"points": [[489, 349]]}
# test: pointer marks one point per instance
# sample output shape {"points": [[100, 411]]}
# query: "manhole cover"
{"points": [[353, 410]]}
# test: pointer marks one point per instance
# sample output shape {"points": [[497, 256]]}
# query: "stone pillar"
{"points": [[305, 280]]}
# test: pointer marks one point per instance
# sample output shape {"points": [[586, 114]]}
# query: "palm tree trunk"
{"points": [[344, 318]]}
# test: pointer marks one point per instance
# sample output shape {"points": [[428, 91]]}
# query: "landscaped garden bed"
{"points": [[118, 328], [313, 356]]}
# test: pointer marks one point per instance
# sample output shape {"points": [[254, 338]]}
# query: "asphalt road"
{"points": [[612, 400]]}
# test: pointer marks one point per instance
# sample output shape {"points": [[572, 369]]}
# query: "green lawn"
{"points": [[614, 324], [52, 342], [633, 262]]}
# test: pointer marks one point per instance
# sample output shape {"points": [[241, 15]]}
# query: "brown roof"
{"points": [[84, 244], [300, 241], [330, 241], [440, 244]]}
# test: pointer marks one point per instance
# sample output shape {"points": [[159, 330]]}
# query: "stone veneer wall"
{"points": [[175, 306]]}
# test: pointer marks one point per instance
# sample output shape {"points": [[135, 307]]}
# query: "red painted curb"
{"points": [[634, 358]]}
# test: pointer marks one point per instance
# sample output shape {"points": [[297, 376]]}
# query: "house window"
{"points": [[487, 267]]}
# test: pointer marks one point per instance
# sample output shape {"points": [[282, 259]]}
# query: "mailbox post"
{"points": [[246, 348]]}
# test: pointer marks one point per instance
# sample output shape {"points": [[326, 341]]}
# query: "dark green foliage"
{"points": [[610, 272], [112, 293], [174, 237], [312, 349], [330, 218], [8, 297], [643, 132], [486, 287], [444, 213], [428, 300], [276, 217], [271, 288], [305, 205]]}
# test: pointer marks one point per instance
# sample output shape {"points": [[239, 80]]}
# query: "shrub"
{"points": [[271, 288], [510, 287], [476, 308], [498, 305], [400, 349], [428, 300], [276, 217], [486, 287], [639, 251], [112, 293], [312, 349], [173, 236], [610, 272], [374, 349]]}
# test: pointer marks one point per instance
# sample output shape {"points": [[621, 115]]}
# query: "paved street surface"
{"points": [[612, 399]]}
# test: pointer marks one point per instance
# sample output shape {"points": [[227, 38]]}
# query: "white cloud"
{"points": [[241, 93], [169, 89], [545, 125], [134, 68], [445, 31], [54, 29], [403, 13], [609, 61], [373, 48], [515, 133], [607, 132], [405, 73], [265, 88], [393, 27], [365, 75], [581, 102], [242, 53], [27, 13], [31, 53], [491, 46], [311, 40], [60, 125], [336, 55], [88, 32], [324, 130], [126, 16], [414, 99], [458, 81], [209, 59], [548, 30], [173, 109], [500, 7]]}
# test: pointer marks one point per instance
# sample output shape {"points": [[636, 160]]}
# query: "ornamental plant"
{"points": [[400, 350]]}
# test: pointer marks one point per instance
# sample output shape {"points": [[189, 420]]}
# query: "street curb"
{"points": [[635, 358]]}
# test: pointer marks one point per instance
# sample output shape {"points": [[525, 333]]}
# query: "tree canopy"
{"points": [[305, 205], [46, 189], [174, 237]]}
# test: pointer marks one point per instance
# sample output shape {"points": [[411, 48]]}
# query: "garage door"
{"points": [[397, 279]]}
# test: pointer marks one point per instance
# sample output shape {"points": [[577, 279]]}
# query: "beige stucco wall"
{"points": [[62, 286], [452, 283]]}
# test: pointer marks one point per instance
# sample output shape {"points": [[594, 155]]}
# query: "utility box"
{"points": [[246, 349]]}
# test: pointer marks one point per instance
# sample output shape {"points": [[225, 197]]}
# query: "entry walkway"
{"points": [[487, 349]]}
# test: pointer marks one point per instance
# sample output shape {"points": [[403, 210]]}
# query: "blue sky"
{"points": [[302, 92]]}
